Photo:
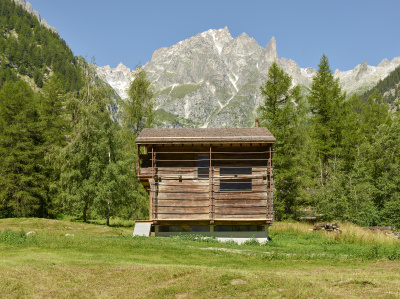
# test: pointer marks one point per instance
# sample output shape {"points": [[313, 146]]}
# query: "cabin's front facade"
{"points": [[213, 182]]}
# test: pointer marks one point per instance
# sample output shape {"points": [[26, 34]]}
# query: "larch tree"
{"points": [[282, 114], [379, 167], [375, 112], [138, 109], [55, 127], [83, 159], [326, 101], [22, 181], [95, 171], [138, 114]]}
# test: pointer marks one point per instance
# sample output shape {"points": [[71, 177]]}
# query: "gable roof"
{"points": [[205, 135]]}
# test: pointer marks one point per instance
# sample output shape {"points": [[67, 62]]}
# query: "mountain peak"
{"points": [[220, 37], [385, 62], [362, 69], [271, 52], [122, 68]]}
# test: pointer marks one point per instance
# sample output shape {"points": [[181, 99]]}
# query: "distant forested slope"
{"points": [[29, 50], [388, 87]]}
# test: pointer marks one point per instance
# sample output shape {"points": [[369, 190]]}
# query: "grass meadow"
{"points": [[105, 262]]}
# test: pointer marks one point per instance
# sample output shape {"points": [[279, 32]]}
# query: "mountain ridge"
{"points": [[213, 79], [28, 7]]}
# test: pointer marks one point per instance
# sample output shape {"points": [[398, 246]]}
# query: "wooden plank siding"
{"points": [[180, 190]]}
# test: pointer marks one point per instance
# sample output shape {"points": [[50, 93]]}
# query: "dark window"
{"points": [[235, 185], [232, 184], [239, 228], [203, 164], [235, 170]]}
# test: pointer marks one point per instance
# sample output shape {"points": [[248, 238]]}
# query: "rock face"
{"points": [[213, 79], [118, 78], [28, 7], [364, 76]]}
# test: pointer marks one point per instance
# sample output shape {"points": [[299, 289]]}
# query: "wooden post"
{"points": [[156, 182], [151, 196], [152, 160], [210, 179], [138, 161], [270, 181]]}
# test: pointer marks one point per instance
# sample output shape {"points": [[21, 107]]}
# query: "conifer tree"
{"points": [[375, 112], [282, 114], [379, 167], [22, 182], [138, 110], [83, 159], [326, 101], [114, 189], [95, 172], [55, 128]]}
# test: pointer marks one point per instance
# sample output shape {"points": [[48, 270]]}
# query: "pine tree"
{"points": [[282, 113]]}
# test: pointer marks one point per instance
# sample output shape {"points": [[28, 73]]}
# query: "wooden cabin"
{"points": [[214, 182]]}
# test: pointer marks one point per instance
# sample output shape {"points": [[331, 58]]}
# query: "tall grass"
{"points": [[350, 233], [353, 234]]}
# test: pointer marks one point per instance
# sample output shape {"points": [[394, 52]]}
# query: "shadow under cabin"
{"points": [[214, 182]]}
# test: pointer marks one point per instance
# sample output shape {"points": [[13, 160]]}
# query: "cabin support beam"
{"points": [[210, 178]]}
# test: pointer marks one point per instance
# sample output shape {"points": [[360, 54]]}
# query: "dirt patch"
{"points": [[228, 250], [237, 281]]}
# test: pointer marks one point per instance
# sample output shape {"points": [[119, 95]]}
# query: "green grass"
{"points": [[297, 263], [165, 91], [180, 91], [162, 117]]}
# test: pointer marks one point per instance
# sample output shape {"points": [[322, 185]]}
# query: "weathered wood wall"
{"points": [[178, 192]]}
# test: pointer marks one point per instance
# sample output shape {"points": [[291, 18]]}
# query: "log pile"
{"points": [[387, 230], [384, 229], [330, 227]]}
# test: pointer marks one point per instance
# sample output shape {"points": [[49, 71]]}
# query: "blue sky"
{"points": [[129, 31]]}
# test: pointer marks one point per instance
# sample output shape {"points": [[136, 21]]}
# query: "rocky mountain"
{"points": [[212, 79], [28, 7], [363, 76], [119, 78]]}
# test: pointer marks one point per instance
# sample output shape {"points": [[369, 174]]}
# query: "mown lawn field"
{"points": [[102, 262]]}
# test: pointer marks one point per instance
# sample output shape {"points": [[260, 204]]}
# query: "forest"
{"points": [[335, 153], [61, 152]]}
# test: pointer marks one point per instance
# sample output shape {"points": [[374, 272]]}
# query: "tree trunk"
{"points": [[326, 162], [85, 208], [108, 212], [320, 166]]}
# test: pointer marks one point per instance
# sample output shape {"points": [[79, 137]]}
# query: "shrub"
{"points": [[252, 242]]}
